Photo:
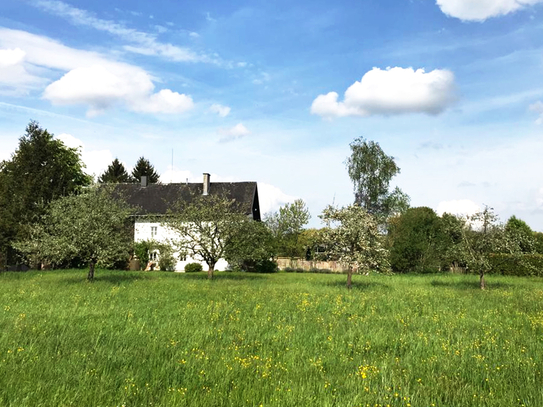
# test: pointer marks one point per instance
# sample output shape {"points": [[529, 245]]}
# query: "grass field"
{"points": [[165, 339]]}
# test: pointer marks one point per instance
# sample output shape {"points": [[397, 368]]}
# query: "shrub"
{"points": [[193, 268], [519, 265], [166, 261], [266, 266], [141, 250]]}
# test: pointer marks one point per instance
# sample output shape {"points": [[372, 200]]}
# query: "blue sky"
{"points": [[274, 92]]}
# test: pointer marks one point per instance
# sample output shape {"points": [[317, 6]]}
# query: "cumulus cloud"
{"points": [[92, 79], [480, 10], [101, 87], [462, 207], [96, 161], [538, 108], [390, 92], [271, 198], [221, 110], [236, 132]]}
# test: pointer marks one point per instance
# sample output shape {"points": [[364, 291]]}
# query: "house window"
{"points": [[153, 231]]}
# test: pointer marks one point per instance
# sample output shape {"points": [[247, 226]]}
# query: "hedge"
{"points": [[517, 265]]}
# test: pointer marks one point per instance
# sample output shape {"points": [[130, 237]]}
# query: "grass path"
{"points": [[165, 339]]}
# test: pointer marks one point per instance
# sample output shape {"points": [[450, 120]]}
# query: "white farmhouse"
{"points": [[154, 200]]}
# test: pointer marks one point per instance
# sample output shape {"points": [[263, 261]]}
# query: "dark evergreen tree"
{"points": [[41, 170], [144, 167], [115, 173]]}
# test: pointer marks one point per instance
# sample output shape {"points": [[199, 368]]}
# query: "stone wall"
{"points": [[296, 263]]}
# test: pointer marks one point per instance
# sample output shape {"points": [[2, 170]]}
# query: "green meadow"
{"points": [[166, 339]]}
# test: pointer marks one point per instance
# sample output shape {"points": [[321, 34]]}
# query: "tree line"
{"points": [[50, 214]]}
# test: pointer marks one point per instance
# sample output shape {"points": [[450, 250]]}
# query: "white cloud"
{"points": [[538, 108], [389, 92], [101, 87], [462, 207], [164, 101], [145, 43], [236, 132], [221, 110], [271, 198], [480, 10], [96, 161], [10, 57]]}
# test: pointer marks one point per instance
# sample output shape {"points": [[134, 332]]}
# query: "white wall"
{"points": [[143, 229]]}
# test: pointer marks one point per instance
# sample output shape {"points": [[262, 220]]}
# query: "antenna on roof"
{"points": [[171, 176]]}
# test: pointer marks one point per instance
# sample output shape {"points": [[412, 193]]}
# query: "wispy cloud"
{"points": [[234, 133], [142, 42]]}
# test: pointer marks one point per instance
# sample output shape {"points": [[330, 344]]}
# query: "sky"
{"points": [[275, 91]]}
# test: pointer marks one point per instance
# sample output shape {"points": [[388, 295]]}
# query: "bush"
{"points": [[519, 265], [266, 266], [166, 261], [193, 268]]}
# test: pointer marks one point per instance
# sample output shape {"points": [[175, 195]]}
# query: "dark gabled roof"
{"points": [[156, 199]]}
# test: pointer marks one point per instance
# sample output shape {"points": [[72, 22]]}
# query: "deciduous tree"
{"points": [[371, 170], [352, 237], [93, 226], [204, 225], [41, 170]]}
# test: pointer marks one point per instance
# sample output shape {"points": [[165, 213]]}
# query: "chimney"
{"points": [[206, 184], [144, 182]]}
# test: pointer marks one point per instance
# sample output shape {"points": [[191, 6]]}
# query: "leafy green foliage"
{"points": [[93, 226], [193, 268], [484, 242], [521, 233], [352, 237], [371, 170], [250, 247], [524, 264], [204, 226], [144, 168], [286, 226], [415, 238], [41, 169], [115, 173], [166, 259]]}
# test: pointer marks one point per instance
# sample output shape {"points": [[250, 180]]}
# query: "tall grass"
{"points": [[165, 339]]}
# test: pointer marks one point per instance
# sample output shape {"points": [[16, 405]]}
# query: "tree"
{"points": [[371, 170], [250, 247], [286, 226], [352, 237], [144, 168], [41, 169], [204, 226], [484, 237], [415, 238], [93, 226], [520, 232], [115, 173]]}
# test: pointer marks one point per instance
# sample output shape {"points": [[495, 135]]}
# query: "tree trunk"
{"points": [[90, 276], [210, 272], [349, 278], [482, 280]]}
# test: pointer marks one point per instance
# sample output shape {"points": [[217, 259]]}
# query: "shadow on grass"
{"points": [[357, 285], [116, 278], [223, 276], [471, 285]]}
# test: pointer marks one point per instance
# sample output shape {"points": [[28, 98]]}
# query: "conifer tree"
{"points": [[144, 168], [115, 173]]}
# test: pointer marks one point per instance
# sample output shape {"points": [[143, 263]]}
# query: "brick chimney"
{"points": [[206, 184]]}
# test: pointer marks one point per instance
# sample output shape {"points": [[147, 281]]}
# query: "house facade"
{"points": [[153, 201]]}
